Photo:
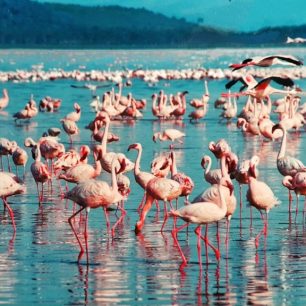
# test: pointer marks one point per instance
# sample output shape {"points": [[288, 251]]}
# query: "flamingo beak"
{"points": [[203, 163], [252, 171], [275, 127], [132, 146]]}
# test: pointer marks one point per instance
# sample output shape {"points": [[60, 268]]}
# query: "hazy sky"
{"points": [[242, 15]]}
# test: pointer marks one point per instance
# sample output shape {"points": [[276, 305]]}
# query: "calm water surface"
{"points": [[39, 265]]}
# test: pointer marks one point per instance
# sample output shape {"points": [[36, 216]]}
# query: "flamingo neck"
{"points": [[282, 150], [223, 166], [114, 177], [137, 162], [38, 156], [104, 138], [207, 169], [173, 167]]}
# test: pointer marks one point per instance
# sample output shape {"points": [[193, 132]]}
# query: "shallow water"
{"points": [[40, 264]]}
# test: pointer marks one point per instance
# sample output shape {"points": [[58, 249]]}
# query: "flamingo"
{"points": [[141, 177], [161, 189], [267, 61], [20, 158], [287, 165], [260, 196], [6, 148], [107, 157], [39, 171], [298, 184], [76, 115], [169, 135], [98, 135], [201, 213], [10, 185], [4, 100], [70, 127], [82, 171], [198, 113], [71, 158], [185, 181], [211, 176], [160, 166], [94, 194]]}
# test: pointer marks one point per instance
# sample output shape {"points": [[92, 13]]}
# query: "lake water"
{"points": [[40, 264]]}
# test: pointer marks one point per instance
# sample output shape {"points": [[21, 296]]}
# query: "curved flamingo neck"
{"points": [[173, 167], [137, 162], [223, 166], [207, 169], [206, 88], [104, 138], [38, 156], [282, 150], [114, 177]]}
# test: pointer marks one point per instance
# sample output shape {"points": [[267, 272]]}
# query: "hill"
{"points": [[24, 23]]}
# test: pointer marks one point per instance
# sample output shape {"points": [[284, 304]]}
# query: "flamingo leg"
{"points": [[146, 208], [207, 242], [297, 206], [141, 203], [123, 213], [198, 233], [106, 218], [8, 162], [174, 236], [262, 231], [290, 200], [86, 236], [165, 216], [11, 213], [75, 233]]}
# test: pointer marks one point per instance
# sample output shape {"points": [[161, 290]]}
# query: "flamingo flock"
{"points": [[53, 161]]}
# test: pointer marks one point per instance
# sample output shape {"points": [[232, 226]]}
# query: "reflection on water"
{"points": [[39, 264]]}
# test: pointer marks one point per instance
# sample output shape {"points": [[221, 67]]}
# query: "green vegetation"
{"points": [[24, 23]]}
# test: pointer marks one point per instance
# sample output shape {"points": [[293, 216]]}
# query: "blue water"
{"points": [[40, 264]]}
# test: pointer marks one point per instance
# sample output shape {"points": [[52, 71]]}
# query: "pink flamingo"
{"points": [[20, 158], [161, 189], [141, 177], [287, 165], [70, 127], [94, 194], [169, 135], [71, 158], [106, 158], [39, 171], [160, 166], [10, 185], [267, 61], [6, 148], [298, 184], [199, 113], [76, 115], [185, 181], [201, 213], [97, 135], [260, 196], [4, 100], [211, 176], [82, 171]]}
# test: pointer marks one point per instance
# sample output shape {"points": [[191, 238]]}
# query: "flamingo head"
{"points": [[84, 152], [97, 152], [253, 163], [205, 160], [155, 136], [77, 107], [288, 182], [134, 146], [29, 142], [275, 127]]}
